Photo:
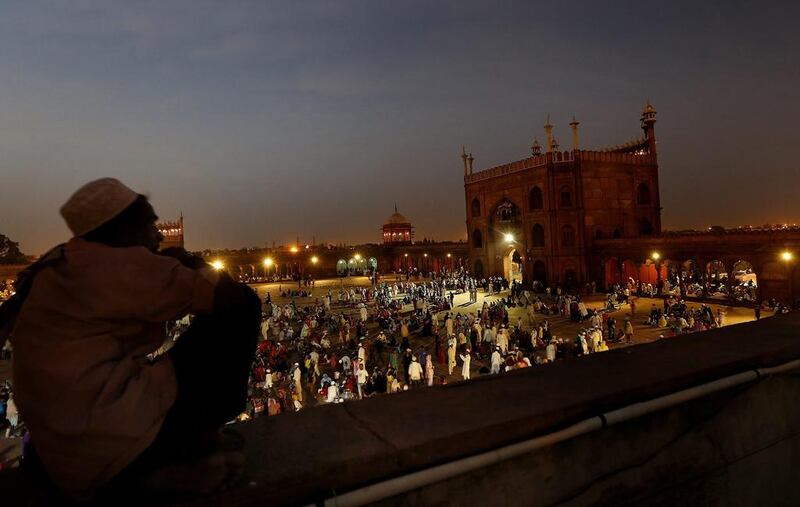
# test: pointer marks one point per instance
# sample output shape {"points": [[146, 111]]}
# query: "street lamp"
{"points": [[656, 256], [293, 249], [357, 257], [314, 260], [267, 264], [218, 265], [508, 237], [787, 257]]}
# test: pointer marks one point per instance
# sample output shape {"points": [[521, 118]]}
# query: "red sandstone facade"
{"points": [[541, 215]]}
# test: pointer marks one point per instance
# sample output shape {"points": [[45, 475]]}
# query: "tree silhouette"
{"points": [[9, 251]]}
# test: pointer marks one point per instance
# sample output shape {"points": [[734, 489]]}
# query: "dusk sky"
{"points": [[264, 121]]}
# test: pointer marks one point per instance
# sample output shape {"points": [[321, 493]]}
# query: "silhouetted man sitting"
{"points": [[102, 415]]}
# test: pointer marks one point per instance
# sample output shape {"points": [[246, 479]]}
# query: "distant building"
{"points": [[537, 218], [172, 233], [577, 217], [397, 230]]}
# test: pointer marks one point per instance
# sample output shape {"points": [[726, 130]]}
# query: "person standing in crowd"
{"points": [[496, 360], [465, 358], [628, 330], [451, 354], [361, 379], [415, 372], [429, 373]]}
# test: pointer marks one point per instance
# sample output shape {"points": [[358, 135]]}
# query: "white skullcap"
{"points": [[96, 203]]}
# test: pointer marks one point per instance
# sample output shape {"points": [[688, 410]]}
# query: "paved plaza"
{"points": [[562, 327]]}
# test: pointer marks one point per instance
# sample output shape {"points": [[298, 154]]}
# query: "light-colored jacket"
{"points": [[82, 381]]}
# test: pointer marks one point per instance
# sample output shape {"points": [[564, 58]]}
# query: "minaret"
{"points": [[648, 125], [536, 148], [548, 130], [470, 159], [574, 126], [464, 158]]}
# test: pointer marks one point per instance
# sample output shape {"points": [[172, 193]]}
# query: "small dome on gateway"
{"points": [[397, 218], [397, 229]]}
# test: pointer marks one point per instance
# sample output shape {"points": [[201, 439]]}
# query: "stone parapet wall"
{"points": [[738, 446], [702, 450]]}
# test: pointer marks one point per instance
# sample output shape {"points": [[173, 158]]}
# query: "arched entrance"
{"points": [[539, 276], [478, 271], [512, 266], [630, 272], [613, 273], [570, 278], [745, 282], [716, 281]]}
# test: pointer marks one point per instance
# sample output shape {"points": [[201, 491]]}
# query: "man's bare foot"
{"points": [[215, 472]]}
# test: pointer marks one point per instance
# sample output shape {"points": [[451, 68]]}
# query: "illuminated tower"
{"points": [[648, 125]]}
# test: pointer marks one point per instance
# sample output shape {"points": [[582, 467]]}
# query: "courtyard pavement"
{"points": [[562, 327]]}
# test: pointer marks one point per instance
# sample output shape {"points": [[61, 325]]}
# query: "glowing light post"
{"points": [[509, 239], [787, 257], [357, 258], [218, 265], [314, 261], [267, 264], [294, 250], [656, 260]]}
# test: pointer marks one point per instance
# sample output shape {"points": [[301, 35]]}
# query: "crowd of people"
{"points": [[356, 342], [359, 341]]}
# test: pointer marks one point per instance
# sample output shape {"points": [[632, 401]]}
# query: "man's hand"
{"points": [[184, 257]]}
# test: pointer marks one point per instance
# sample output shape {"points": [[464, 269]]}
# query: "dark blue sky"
{"points": [[262, 121]]}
